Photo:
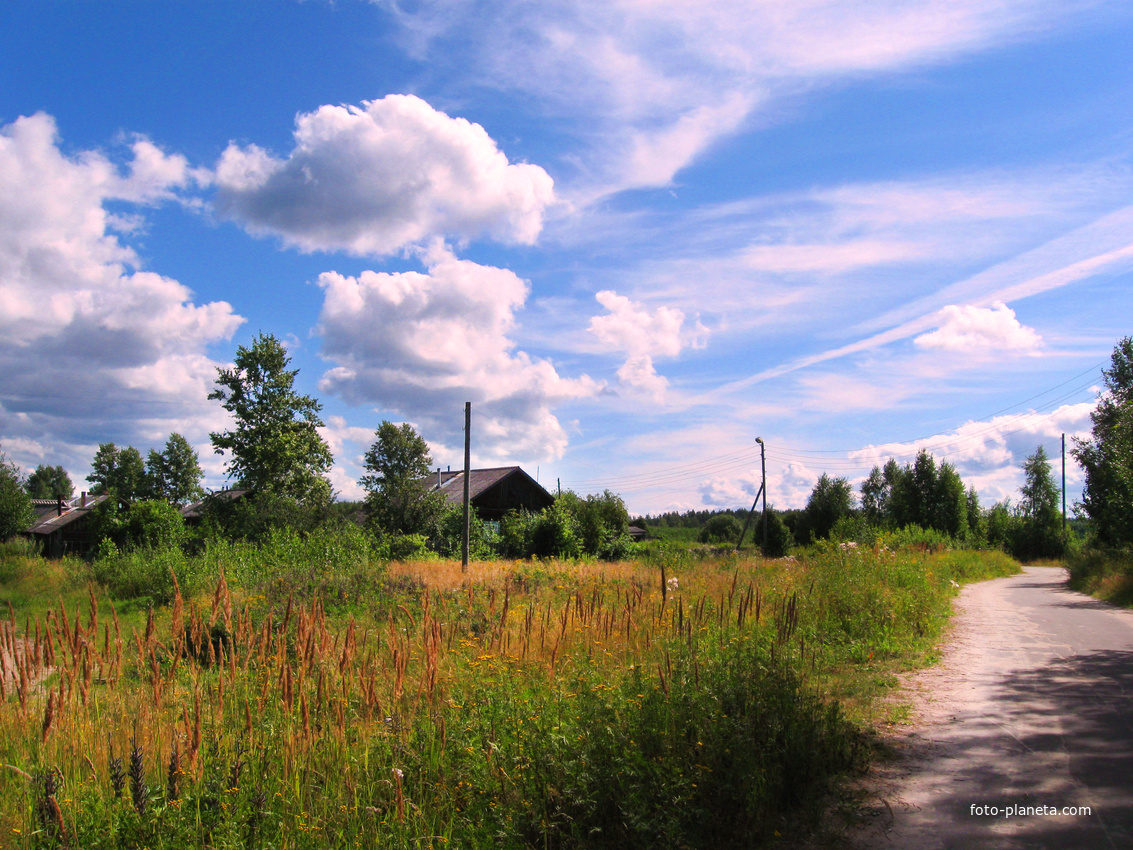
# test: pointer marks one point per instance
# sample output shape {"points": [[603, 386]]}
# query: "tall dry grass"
{"points": [[518, 705]]}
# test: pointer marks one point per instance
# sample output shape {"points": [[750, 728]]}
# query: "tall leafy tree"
{"points": [[900, 506], [977, 524], [951, 503], [923, 491], [399, 495], [50, 482], [1107, 457], [16, 512], [174, 474], [118, 471], [875, 497], [1040, 527], [274, 445], [830, 500]]}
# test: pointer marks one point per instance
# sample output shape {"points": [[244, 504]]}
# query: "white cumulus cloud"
{"points": [[92, 347], [979, 331], [374, 179], [424, 343], [630, 327]]}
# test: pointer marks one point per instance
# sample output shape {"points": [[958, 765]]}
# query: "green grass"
{"points": [[317, 698], [1105, 574]]}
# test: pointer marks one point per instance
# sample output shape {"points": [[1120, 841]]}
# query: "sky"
{"points": [[634, 234]]}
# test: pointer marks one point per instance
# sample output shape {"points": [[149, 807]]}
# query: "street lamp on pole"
{"points": [[762, 492], [763, 488]]}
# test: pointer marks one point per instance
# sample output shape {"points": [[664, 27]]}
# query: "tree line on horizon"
{"points": [[274, 449], [921, 495], [930, 496]]}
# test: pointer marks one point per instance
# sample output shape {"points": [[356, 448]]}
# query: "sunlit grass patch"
{"points": [[303, 694]]}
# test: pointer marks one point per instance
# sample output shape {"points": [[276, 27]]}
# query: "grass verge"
{"points": [[1104, 574]]}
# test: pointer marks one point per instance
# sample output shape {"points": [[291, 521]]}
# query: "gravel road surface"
{"points": [[1031, 707]]}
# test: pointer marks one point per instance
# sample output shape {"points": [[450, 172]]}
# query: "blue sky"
{"points": [[635, 235]]}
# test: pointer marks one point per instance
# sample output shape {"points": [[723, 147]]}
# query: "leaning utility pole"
{"points": [[762, 492], [763, 474], [467, 471]]}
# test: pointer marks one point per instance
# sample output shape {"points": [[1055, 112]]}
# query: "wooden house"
{"points": [[63, 526], [494, 492]]}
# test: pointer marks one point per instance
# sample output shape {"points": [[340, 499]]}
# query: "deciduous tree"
{"points": [[274, 445], [118, 471], [399, 496], [875, 497], [174, 474], [1107, 457], [951, 503], [1040, 528], [830, 500], [50, 482], [16, 512]]}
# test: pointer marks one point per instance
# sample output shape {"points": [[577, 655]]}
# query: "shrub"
{"points": [[915, 537], [258, 515], [448, 542], [142, 574], [555, 533], [407, 547], [516, 531], [142, 525], [722, 528], [779, 539]]}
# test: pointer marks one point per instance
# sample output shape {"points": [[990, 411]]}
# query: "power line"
{"points": [[662, 480]]}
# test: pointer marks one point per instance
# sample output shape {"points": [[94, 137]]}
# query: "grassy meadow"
{"points": [[306, 694]]}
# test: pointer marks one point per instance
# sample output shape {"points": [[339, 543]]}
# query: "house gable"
{"points": [[494, 492]]}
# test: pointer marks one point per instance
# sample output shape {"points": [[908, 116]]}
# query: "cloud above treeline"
{"points": [[422, 344], [630, 327], [374, 179], [92, 345]]}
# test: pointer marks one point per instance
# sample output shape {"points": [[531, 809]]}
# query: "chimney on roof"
{"points": [[59, 507], [83, 504], [438, 476]]}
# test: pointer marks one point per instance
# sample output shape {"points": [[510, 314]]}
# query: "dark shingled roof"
{"points": [[480, 481], [51, 521]]}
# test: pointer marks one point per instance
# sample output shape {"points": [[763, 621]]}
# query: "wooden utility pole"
{"points": [[467, 473], [1064, 486], [763, 474], [762, 492]]}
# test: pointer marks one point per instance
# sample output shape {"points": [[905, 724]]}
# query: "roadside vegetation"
{"points": [[302, 691], [1104, 568]]}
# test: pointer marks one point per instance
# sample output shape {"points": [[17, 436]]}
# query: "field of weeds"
{"points": [[342, 703]]}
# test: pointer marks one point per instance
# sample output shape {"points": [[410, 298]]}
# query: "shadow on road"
{"points": [[1057, 736]]}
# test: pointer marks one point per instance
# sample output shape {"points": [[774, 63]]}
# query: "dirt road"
{"points": [[1031, 707]]}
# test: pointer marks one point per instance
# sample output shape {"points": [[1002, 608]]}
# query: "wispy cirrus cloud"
{"points": [[660, 82]]}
